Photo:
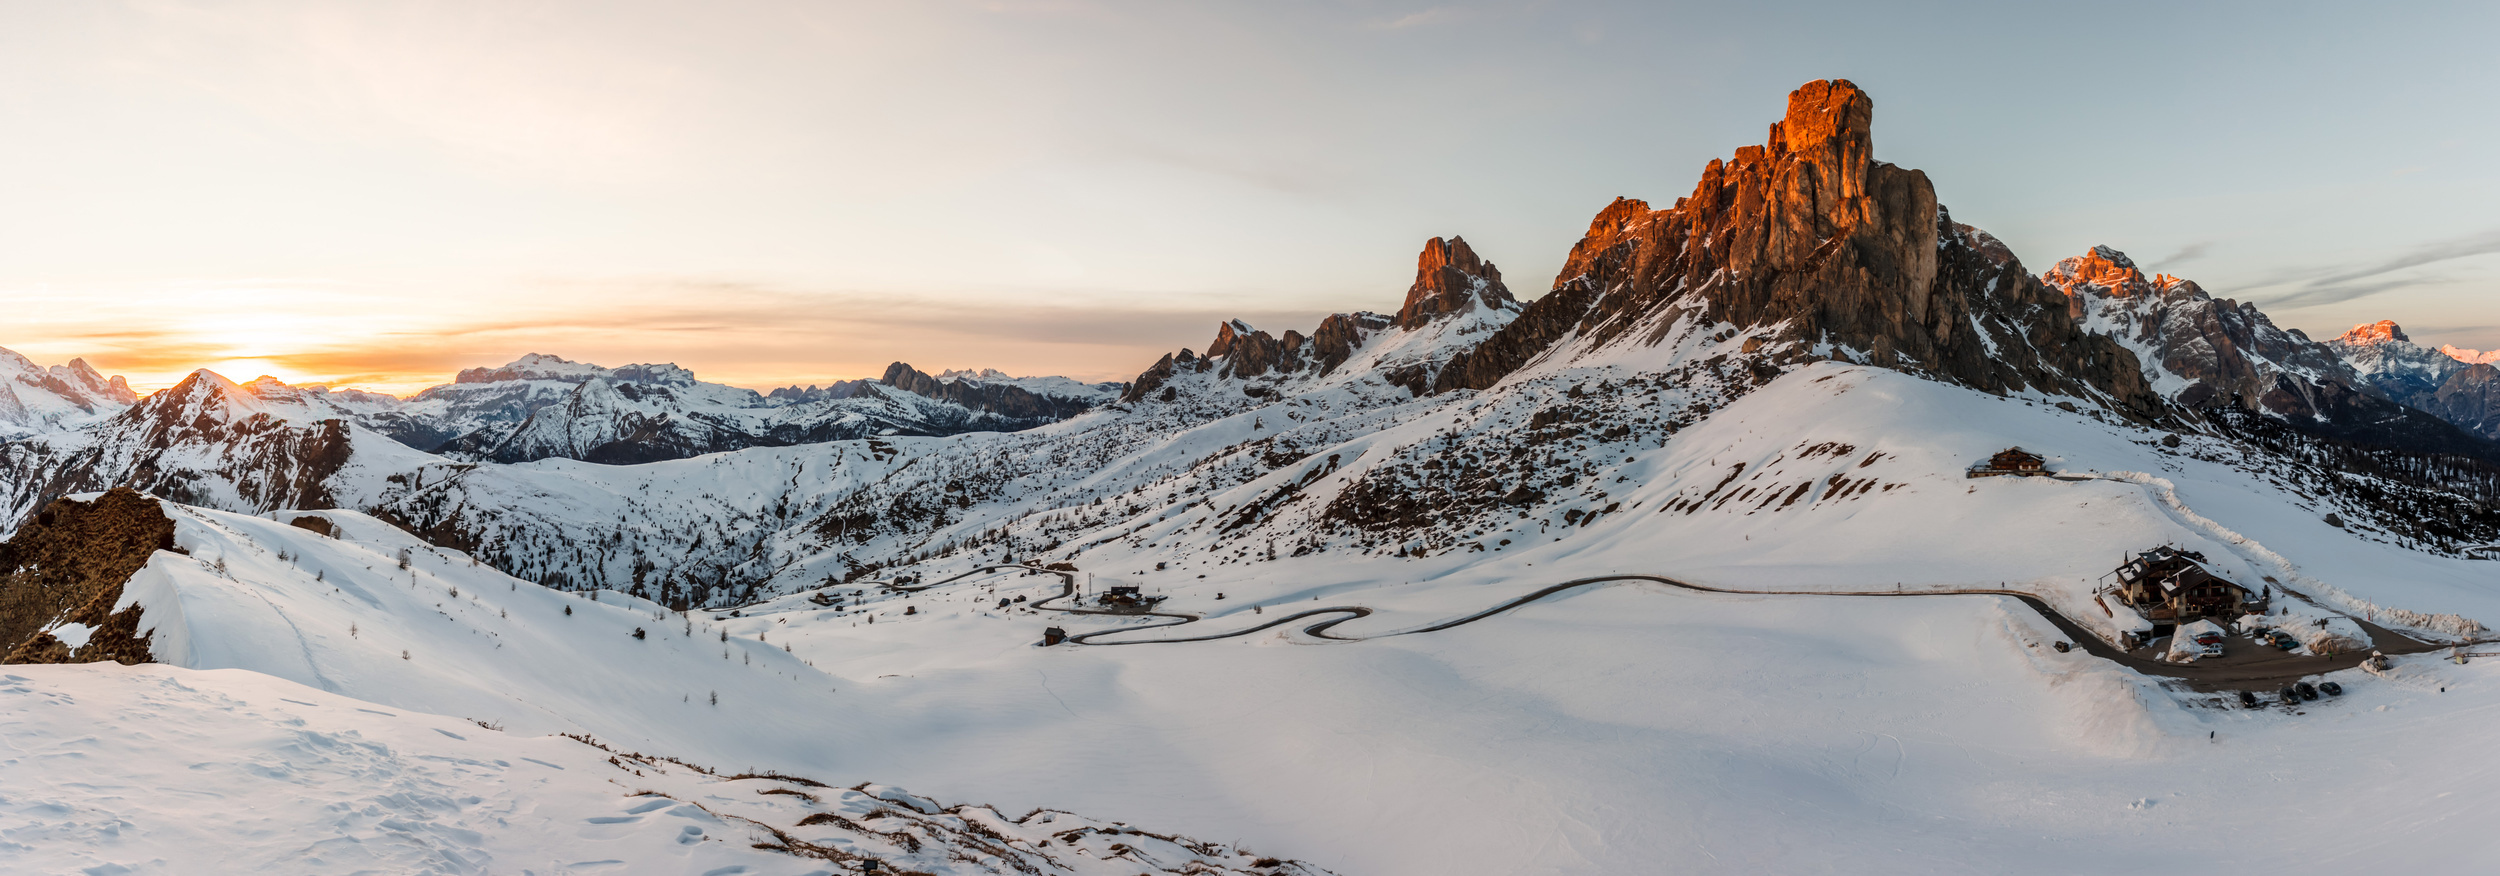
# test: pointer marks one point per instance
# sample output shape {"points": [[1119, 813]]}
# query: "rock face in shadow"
{"points": [[2470, 398], [1848, 257], [67, 565], [1013, 402]]}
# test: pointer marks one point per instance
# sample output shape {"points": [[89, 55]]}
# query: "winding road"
{"points": [[2268, 672]]}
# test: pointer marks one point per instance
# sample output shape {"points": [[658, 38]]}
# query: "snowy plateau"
{"points": [[1718, 557]]}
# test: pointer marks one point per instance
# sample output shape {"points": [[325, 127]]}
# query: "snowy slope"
{"points": [[1617, 729], [234, 772]]}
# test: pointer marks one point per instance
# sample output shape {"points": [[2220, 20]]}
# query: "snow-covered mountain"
{"points": [[266, 444], [2458, 385], [2203, 352], [35, 399], [542, 407], [1603, 582]]}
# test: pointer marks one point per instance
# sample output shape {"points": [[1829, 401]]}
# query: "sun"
{"points": [[245, 369]]}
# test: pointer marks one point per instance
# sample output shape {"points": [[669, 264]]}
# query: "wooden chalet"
{"points": [[1127, 598], [2169, 586], [2013, 461]]}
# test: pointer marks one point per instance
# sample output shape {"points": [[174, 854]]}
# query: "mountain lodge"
{"points": [[1127, 598], [2010, 461], [2169, 586]]}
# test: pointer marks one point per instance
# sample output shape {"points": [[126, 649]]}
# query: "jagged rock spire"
{"points": [[1843, 256], [1450, 278]]}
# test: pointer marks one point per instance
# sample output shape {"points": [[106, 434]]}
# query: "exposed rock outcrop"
{"points": [[1847, 257], [1450, 278], [1451, 285], [67, 567]]}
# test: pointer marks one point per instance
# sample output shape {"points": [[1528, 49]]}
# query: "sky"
{"points": [[381, 193]]}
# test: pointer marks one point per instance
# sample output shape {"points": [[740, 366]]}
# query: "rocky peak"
{"points": [[2372, 334], [2470, 357], [1829, 128], [535, 366], [1450, 278], [2107, 273], [1837, 255], [540, 366], [93, 384], [1228, 334]]}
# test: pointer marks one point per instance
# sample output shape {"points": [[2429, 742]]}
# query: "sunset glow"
{"points": [[379, 195]]}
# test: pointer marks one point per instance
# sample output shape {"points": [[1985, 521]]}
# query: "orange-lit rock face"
{"points": [[1836, 254], [2108, 273], [1450, 278], [2380, 332]]}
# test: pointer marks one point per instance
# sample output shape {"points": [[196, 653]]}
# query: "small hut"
{"points": [[2013, 461], [1053, 635]]}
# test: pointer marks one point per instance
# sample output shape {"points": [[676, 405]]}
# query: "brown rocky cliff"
{"points": [[1852, 257], [69, 564], [1450, 278]]}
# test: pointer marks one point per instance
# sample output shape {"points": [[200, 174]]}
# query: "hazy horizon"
{"points": [[777, 193]]}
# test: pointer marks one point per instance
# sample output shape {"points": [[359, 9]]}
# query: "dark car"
{"points": [[2331, 688], [2290, 697], [2306, 692], [2284, 641], [2248, 699]]}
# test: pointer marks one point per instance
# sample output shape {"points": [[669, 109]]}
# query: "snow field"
{"points": [[1634, 726], [225, 771]]}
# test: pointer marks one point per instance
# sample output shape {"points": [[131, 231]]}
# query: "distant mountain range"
{"points": [[541, 407]]}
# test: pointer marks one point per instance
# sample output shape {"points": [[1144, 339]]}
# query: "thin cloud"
{"points": [[1427, 18], [2188, 253], [2362, 280]]}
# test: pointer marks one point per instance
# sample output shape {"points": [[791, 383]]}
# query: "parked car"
{"points": [[2248, 699], [2306, 691], [2290, 697], [2331, 688], [2283, 641]]}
